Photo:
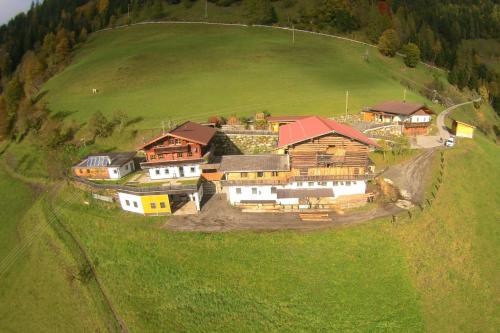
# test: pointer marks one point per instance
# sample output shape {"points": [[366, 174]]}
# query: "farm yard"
{"points": [[434, 270]]}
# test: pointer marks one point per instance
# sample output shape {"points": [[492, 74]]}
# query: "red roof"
{"points": [[397, 107], [189, 131], [315, 126]]}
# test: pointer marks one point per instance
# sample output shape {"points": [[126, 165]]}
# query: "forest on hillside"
{"points": [[452, 34]]}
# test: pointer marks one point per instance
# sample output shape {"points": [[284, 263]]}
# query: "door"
{"points": [[181, 172]]}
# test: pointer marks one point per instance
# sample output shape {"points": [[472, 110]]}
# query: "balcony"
{"points": [[171, 149]]}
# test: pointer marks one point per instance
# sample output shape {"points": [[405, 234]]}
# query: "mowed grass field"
{"points": [[436, 272], [39, 288], [179, 72]]}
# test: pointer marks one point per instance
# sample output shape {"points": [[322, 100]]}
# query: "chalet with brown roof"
{"points": [[179, 153], [414, 118]]}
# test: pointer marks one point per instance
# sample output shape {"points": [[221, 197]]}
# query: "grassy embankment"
{"points": [[180, 72], [39, 286]]}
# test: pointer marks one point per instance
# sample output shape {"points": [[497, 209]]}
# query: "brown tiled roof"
{"points": [[248, 163], [397, 107], [190, 131], [304, 193]]}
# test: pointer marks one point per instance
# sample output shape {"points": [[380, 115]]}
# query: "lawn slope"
{"points": [[179, 72], [39, 289], [340, 280], [452, 248]]}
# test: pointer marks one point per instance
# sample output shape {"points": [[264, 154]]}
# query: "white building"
{"points": [[175, 171], [106, 166]]}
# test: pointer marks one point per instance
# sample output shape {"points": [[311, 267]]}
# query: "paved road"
{"points": [[427, 142]]}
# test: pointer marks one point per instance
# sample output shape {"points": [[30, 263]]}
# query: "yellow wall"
{"points": [[464, 131], [148, 199]]}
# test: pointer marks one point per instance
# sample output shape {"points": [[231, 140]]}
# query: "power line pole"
{"points": [[206, 9], [404, 96], [163, 127], [293, 33]]}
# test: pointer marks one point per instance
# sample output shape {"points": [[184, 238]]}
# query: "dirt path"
{"points": [[410, 177], [218, 216]]}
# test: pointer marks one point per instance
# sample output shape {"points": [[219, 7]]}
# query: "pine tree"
{"points": [[412, 55], [83, 35]]}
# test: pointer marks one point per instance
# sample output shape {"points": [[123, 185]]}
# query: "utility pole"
{"points": [[128, 9], [346, 103], [293, 34], [163, 127], [404, 96], [206, 9]]}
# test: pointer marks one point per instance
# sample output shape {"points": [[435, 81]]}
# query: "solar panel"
{"points": [[98, 161]]}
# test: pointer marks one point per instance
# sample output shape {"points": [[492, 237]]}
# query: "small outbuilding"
{"points": [[463, 130], [105, 166]]}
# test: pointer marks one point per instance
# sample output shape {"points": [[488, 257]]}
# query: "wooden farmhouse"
{"points": [[463, 130], [105, 166], [414, 118], [180, 152], [318, 161]]}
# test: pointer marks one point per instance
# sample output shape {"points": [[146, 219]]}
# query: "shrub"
{"points": [[389, 43]]}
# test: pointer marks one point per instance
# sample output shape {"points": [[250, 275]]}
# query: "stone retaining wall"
{"points": [[230, 144]]}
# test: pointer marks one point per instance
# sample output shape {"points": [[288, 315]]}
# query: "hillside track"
{"points": [[411, 176]]}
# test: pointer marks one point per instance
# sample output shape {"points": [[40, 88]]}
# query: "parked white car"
{"points": [[450, 142]]}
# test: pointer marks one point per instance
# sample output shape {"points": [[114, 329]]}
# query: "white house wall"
{"points": [[421, 119], [119, 172], [127, 203], [340, 188], [170, 172]]}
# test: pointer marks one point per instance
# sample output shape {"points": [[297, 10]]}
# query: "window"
{"points": [[177, 141], [193, 169], [260, 174], [127, 202], [190, 154], [115, 171], [135, 204], [162, 205], [254, 190], [80, 171], [356, 171], [238, 190], [275, 174], [153, 205], [322, 183], [179, 154], [299, 184], [195, 149], [165, 171], [88, 170], [126, 166], [161, 156], [171, 141], [152, 157], [273, 189], [310, 184], [157, 171], [244, 174], [335, 183]]}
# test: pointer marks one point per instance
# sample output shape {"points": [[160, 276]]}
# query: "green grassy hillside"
{"points": [[39, 286], [435, 272], [194, 71]]}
